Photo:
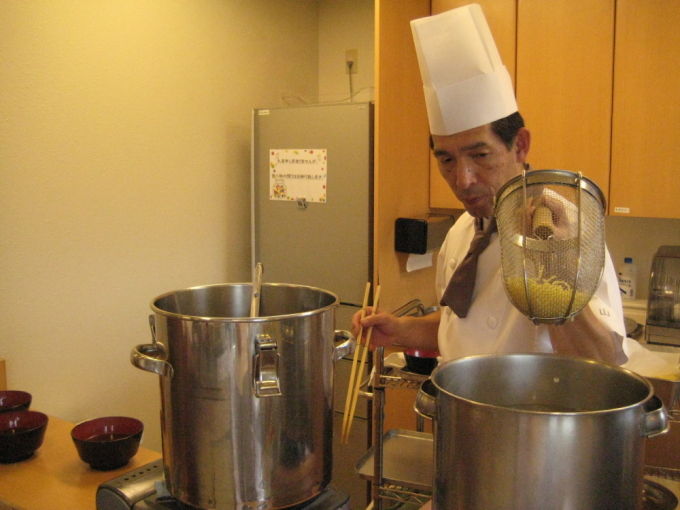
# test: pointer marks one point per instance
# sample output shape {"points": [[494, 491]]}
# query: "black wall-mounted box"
{"points": [[420, 235]]}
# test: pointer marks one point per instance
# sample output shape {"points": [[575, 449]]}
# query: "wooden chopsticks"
{"points": [[352, 374], [357, 367]]}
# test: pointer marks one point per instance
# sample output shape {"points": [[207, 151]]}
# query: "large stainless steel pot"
{"points": [[246, 401], [541, 431]]}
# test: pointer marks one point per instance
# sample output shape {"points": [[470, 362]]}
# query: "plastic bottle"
{"points": [[627, 279]]}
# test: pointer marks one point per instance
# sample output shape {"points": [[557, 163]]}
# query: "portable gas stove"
{"points": [[144, 489]]}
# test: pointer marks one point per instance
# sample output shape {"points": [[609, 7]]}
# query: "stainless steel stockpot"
{"points": [[246, 401], [541, 431]]}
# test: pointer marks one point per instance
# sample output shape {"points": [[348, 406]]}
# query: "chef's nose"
{"points": [[465, 176]]}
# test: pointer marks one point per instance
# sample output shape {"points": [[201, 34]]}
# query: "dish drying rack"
{"points": [[399, 464]]}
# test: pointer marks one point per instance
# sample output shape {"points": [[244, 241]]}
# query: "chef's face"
{"points": [[476, 163]]}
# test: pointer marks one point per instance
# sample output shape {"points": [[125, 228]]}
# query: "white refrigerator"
{"points": [[312, 198]]}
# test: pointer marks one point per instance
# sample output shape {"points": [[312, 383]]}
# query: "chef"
{"points": [[480, 142]]}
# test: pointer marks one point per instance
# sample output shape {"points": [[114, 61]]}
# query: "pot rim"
{"points": [[264, 318], [442, 366]]}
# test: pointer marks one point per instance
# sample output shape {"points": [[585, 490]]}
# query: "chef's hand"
{"points": [[547, 217], [406, 332], [385, 326]]}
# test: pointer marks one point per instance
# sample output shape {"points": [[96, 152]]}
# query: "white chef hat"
{"points": [[465, 82]]}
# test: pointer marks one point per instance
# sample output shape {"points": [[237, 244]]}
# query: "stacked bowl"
{"points": [[21, 431]]}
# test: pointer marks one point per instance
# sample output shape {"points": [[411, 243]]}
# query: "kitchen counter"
{"points": [[55, 478]]}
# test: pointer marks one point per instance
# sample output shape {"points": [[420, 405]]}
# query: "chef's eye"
{"points": [[480, 155], [445, 161]]}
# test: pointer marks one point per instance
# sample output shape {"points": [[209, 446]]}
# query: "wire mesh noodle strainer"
{"points": [[551, 230]]}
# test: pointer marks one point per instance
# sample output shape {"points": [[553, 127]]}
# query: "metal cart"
{"points": [[399, 464]]}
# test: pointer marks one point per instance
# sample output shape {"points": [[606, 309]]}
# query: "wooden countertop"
{"points": [[55, 478]]}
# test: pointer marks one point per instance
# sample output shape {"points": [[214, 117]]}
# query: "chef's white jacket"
{"points": [[493, 325]]}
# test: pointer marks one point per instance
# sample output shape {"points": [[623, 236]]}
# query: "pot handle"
{"points": [[152, 357], [266, 367], [425, 404], [344, 344], [424, 411], [656, 418]]}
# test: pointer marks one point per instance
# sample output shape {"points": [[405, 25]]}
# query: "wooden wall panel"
{"points": [[3, 375], [401, 149]]}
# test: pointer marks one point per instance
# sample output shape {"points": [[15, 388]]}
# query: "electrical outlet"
{"points": [[351, 61]]}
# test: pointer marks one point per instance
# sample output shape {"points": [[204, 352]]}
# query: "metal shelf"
{"points": [[401, 496], [393, 377], [399, 465], [407, 461]]}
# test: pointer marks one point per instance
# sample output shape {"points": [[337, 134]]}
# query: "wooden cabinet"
{"points": [[565, 54], [400, 412], [645, 180], [500, 14]]}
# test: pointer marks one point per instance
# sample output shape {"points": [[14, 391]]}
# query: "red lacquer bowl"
{"points": [[108, 442], [12, 400], [21, 434], [420, 361]]}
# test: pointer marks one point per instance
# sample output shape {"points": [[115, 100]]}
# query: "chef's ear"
{"points": [[522, 144]]}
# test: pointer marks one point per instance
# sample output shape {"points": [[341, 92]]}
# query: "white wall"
{"points": [[124, 167], [640, 238], [346, 25]]}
